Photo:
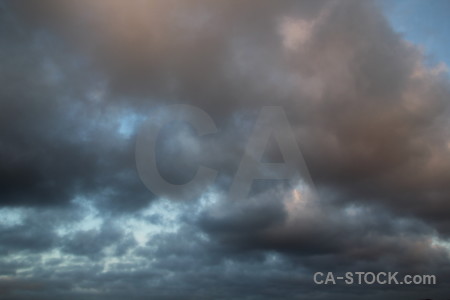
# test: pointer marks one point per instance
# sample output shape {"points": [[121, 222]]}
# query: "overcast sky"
{"points": [[364, 86]]}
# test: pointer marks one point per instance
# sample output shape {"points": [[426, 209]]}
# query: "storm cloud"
{"points": [[79, 80]]}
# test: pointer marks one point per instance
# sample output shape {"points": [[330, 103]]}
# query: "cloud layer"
{"points": [[80, 78]]}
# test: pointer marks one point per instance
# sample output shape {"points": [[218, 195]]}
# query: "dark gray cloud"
{"points": [[58, 139], [79, 77]]}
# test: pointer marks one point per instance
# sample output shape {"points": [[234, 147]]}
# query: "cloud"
{"points": [[78, 80]]}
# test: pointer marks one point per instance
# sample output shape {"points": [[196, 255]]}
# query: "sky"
{"points": [[230, 149], [422, 23]]}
